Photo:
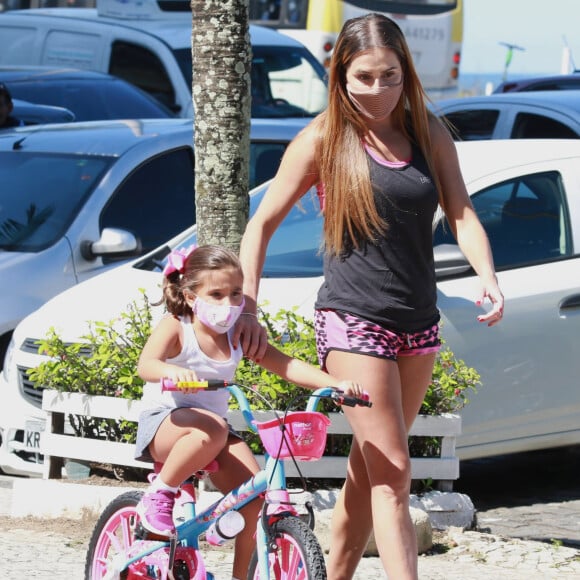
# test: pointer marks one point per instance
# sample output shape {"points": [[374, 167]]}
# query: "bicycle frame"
{"points": [[270, 483]]}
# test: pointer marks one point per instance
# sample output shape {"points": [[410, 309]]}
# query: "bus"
{"points": [[433, 29]]}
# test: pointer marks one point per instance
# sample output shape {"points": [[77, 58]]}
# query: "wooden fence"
{"points": [[56, 446]]}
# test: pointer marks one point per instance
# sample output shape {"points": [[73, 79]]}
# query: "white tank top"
{"points": [[192, 357]]}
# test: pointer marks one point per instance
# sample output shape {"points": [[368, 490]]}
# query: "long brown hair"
{"points": [[350, 212]]}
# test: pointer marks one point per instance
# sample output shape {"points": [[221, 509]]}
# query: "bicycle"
{"points": [[286, 546]]}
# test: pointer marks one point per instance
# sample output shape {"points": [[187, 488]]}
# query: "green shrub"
{"points": [[105, 364]]}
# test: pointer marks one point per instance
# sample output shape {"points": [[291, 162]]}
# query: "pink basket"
{"points": [[302, 436]]}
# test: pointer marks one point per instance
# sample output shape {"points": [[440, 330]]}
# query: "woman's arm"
{"points": [[297, 173], [464, 222]]}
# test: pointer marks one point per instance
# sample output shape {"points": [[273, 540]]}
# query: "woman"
{"points": [[382, 164]]}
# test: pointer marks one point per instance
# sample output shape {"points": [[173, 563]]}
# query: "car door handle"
{"points": [[569, 303]]}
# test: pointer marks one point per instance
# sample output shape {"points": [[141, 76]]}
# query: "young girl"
{"points": [[186, 430]]}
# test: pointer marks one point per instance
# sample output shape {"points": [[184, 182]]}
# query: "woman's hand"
{"points": [[251, 335], [493, 293]]}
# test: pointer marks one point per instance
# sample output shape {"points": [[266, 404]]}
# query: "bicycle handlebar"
{"points": [[341, 399], [208, 385], [212, 384]]}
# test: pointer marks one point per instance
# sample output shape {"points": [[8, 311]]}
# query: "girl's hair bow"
{"points": [[176, 260]]}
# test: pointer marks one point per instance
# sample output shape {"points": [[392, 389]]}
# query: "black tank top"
{"points": [[391, 281]]}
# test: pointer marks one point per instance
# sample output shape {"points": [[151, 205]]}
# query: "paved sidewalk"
{"points": [[33, 552], [48, 555]]}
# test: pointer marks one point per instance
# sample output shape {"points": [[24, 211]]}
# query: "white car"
{"points": [[527, 194]]}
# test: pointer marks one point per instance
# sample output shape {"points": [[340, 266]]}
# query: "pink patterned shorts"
{"points": [[341, 331]]}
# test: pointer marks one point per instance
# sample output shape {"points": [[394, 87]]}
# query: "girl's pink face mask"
{"points": [[219, 317]]}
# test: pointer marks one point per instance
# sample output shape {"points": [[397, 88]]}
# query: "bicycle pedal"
{"points": [[143, 534]]}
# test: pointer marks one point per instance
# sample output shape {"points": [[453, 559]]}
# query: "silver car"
{"points": [[518, 115], [76, 199]]}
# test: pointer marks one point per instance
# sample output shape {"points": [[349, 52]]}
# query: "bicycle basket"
{"points": [[302, 435]]}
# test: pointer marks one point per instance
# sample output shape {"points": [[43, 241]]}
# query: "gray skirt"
{"points": [[149, 422]]}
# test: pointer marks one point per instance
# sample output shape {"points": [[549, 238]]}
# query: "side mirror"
{"points": [[449, 261], [113, 243]]}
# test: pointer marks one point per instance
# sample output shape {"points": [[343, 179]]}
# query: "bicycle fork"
{"points": [[277, 505]]}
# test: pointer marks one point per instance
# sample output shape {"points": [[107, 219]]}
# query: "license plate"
{"points": [[32, 432]]}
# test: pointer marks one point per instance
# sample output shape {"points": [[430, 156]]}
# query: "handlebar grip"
{"points": [[209, 385], [350, 401]]}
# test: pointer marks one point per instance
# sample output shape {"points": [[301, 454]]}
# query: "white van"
{"points": [[151, 48]]}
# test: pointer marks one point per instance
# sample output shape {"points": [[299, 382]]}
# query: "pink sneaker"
{"points": [[156, 512]]}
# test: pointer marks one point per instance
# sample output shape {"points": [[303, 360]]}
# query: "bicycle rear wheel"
{"points": [[113, 536], [297, 555]]}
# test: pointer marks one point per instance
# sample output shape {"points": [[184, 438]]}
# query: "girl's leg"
{"points": [[381, 449], [236, 465], [186, 441]]}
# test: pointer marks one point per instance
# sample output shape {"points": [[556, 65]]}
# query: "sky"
{"points": [[538, 27]]}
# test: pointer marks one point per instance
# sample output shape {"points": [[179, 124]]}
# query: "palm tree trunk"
{"points": [[221, 52]]}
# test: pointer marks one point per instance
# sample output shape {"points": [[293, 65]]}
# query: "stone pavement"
{"points": [[55, 555]]}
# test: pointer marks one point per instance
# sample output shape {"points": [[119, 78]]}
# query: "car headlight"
{"points": [[9, 368]]}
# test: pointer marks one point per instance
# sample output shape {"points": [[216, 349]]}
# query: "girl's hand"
{"points": [[493, 293], [350, 388], [181, 375]]}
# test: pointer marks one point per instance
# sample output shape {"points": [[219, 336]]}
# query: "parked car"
{"points": [[77, 198], [569, 82], [526, 195], [531, 115], [148, 43], [90, 95], [35, 114]]}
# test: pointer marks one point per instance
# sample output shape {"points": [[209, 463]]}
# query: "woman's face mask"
{"points": [[219, 317], [376, 103]]}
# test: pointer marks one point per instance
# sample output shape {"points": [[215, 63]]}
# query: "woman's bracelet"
{"points": [[249, 314]]}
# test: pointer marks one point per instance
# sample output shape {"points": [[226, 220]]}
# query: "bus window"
{"points": [[279, 13], [265, 10]]}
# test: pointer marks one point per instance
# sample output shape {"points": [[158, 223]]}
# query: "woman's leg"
{"points": [[380, 450], [416, 373], [186, 441], [350, 535], [236, 465]]}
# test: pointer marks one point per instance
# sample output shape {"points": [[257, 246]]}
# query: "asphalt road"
{"points": [[533, 495]]}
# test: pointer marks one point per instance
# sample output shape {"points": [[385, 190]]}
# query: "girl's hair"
{"points": [[350, 212], [202, 260]]}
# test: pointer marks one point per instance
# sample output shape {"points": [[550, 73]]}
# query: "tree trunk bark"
{"points": [[221, 54]]}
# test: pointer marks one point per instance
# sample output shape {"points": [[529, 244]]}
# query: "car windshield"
{"points": [[286, 81], [293, 251], [92, 100], [41, 194]]}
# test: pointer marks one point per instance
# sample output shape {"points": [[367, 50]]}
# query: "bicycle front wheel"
{"points": [[297, 555], [112, 537]]}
